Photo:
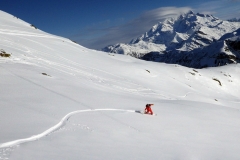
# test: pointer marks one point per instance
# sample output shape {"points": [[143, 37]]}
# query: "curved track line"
{"points": [[55, 127]]}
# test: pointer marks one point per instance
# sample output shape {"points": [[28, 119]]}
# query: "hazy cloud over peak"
{"points": [[132, 29], [99, 36]]}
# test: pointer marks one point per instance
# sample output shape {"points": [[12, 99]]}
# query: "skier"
{"points": [[148, 109]]}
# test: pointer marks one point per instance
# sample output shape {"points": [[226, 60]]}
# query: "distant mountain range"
{"points": [[193, 40], [234, 20]]}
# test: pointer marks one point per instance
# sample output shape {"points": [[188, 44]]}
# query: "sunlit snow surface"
{"points": [[63, 101]]}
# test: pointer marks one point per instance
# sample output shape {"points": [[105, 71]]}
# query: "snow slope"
{"points": [[59, 100]]}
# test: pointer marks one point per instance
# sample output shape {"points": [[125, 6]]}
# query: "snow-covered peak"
{"points": [[181, 28], [183, 34]]}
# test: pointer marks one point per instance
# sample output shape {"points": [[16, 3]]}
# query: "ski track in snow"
{"points": [[75, 69], [79, 71], [26, 33], [56, 127]]}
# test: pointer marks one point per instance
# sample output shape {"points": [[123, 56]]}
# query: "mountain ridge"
{"points": [[181, 35]]}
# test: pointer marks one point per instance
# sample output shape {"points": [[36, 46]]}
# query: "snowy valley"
{"points": [[60, 100]]}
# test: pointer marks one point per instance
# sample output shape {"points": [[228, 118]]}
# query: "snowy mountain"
{"points": [[59, 100], [175, 40], [222, 52]]}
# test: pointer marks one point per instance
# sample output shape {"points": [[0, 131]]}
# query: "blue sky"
{"points": [[97, 23]]}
